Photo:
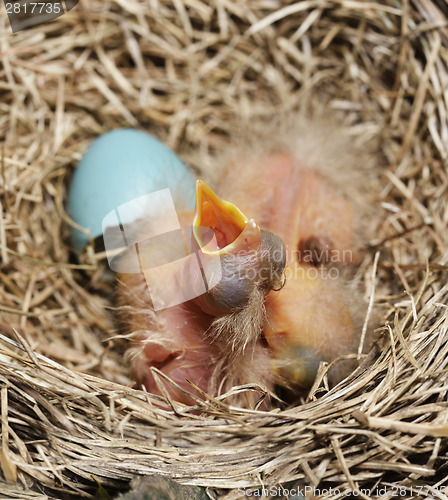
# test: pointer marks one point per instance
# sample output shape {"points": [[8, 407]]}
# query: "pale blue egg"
{"points": [[119, 167]]}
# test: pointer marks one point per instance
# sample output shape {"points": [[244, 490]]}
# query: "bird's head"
{"points": [[243, 257]]}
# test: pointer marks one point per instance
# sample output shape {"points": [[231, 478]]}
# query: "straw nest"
{"points": [[185, 70]]}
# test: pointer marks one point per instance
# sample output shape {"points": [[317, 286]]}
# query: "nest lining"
{"points": [[187, 71]]}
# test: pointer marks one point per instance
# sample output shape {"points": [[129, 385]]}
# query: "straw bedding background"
{"points": [[186, 70]]}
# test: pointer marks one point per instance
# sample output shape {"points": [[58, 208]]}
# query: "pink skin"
{"points": [[186, 358], [181, 350], [170, 341]]}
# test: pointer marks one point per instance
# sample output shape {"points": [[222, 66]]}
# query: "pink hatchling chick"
{"points": [[280, 307], [200, 339]]}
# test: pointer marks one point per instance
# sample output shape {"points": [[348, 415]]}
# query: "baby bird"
{"points": [[309, 320], [280, 245], [214, 338]]}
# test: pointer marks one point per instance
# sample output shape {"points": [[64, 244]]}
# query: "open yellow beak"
{"points": [[233, 230], [242, 262]]}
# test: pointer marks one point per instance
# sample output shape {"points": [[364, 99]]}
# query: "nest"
{"points": [[186, 71]]}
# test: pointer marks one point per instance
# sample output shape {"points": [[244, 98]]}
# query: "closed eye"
{"points": [[315, 250]]}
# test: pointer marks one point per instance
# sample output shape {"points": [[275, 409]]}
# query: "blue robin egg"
{"points": [[119, 167]]}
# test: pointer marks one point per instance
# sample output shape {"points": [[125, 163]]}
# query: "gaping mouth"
{"points": [[224, 218]]}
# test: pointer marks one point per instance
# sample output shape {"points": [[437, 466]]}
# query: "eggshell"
{"points": [[119, 167]]}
